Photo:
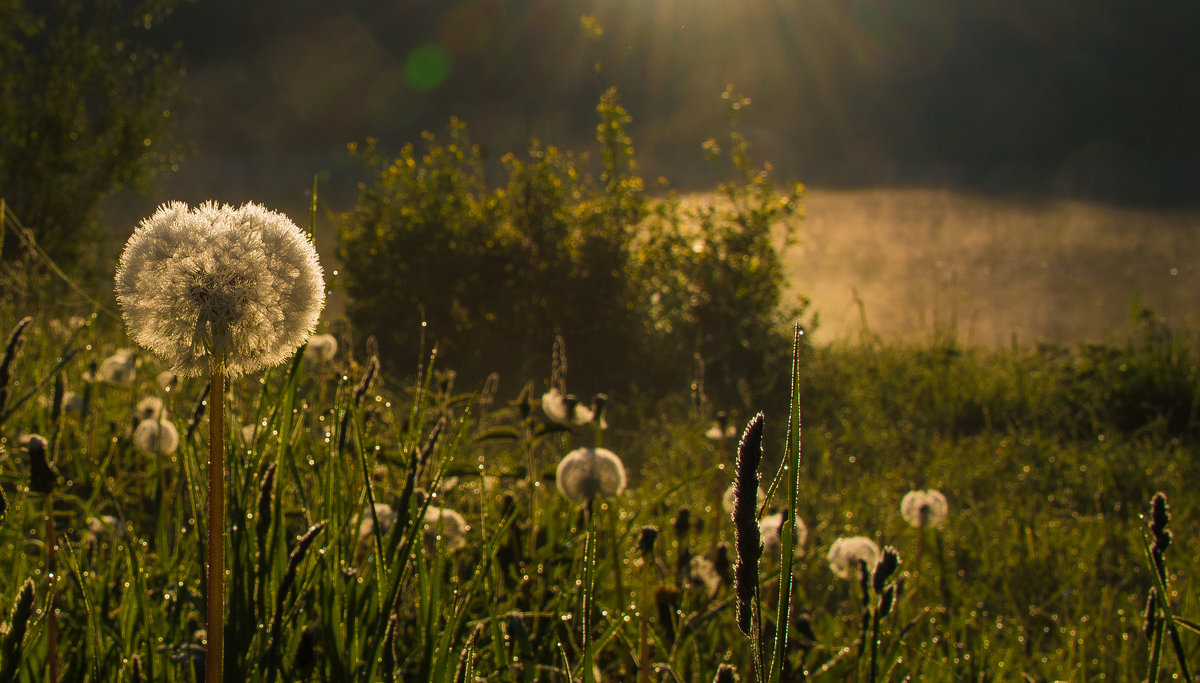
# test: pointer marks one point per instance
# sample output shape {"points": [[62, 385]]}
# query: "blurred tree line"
{"points": [[644, 294], [1081, 97], [87, 97]]}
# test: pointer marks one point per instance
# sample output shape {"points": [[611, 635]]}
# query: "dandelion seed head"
{"points": [[321, 348], [771, 528], [448, 526], [116, 369], [156, 436], [924, 508], [585, 473], [72, 403], [386, 515], [721, 428], [167, 380], [702, 572], [728, 499], [104, 525], [243, 284], [846, 553], [149, 408], [565, 409]]}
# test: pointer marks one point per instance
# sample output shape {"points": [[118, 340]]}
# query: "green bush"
{"points": [[639, 288], [87, 113]]}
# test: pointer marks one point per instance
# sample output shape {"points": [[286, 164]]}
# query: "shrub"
{"points": [[638, 288], [87, 113]]}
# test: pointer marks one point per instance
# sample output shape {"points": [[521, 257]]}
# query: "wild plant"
{"points": [[226, 292], [1159, 616]]}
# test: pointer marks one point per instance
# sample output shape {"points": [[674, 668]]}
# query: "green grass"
{"points": [[1048, 457]]}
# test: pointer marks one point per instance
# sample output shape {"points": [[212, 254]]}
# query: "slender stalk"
{"points": [[531, 465], [917, 566], [214, 660], [873, 665], [643, 625], [1155, 654], [719, 493], [617, 555], [589, 577], [52, 573]]}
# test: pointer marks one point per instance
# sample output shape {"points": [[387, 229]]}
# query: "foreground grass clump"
{"points": [[385, 530]]}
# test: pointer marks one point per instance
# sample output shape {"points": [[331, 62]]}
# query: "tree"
{"points": [[86, 108]]}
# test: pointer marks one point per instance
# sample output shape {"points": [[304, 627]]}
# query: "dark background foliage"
{"points": [[1084, 97], [567, 246], [87, 98]]}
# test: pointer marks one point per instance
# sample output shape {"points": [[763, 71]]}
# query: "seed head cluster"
{"points": [[585, 473], [847, 555], [241, 284], [926, 508]]}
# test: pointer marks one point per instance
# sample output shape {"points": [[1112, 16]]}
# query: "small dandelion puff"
{"points": [[726, 674], [58, 329], [118, 368], [447, 526], [243, 285], [585, 473], [72, 403], [321, 348], [565, 409], [847, 554], [728, 499], [926, 508], [771, 528], [104, 526], [157, 437], [721, 428], [168, 380], [703, 573], [149, 408], [386, 515]]}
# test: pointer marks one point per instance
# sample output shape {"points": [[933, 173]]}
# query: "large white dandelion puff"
{"points": [[243, 285], [585, 473]]}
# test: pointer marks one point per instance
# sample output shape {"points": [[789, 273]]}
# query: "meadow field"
{"points": [[389, 527], [991, 270]]}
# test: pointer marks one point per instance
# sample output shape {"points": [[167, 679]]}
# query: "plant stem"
{"points": [[617, 555], [589, 558], [643, 625], [1155, 653], [214, 660], [52, 573]]}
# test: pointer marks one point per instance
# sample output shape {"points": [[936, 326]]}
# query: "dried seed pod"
{"points": [[646, 540], [747, 535], [43, 476]]}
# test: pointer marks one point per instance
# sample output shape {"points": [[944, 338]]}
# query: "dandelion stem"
{"points": [[617, 555], [917, 566], [214, 663], [589, 577], [644, 624]]}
